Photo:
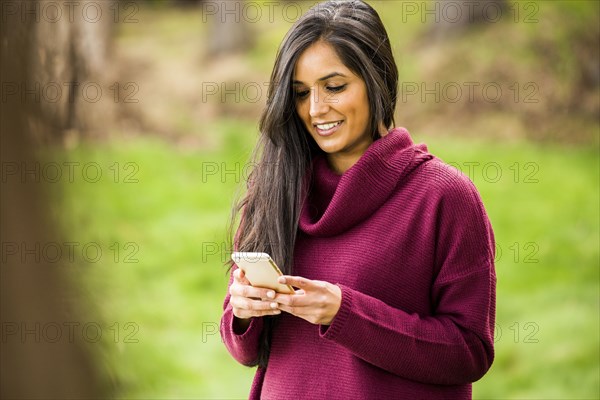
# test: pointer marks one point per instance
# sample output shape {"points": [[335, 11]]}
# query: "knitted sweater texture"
{"points": [[408, 241]]}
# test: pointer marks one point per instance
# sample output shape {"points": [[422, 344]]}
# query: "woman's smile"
{"points": [[326, 129]]}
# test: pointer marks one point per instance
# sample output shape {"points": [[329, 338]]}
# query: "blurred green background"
{"points": [[174, 158]]}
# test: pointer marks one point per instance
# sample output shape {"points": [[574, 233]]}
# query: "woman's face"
{"points": [[332, 103]]}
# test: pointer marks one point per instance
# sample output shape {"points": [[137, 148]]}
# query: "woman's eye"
{"points": [[335, 89], [302, 94]]}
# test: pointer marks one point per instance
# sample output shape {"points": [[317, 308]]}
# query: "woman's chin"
{"points": [[328, 146]]}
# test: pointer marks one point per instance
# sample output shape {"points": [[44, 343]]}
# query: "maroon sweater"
{"points": [[407, 239]]}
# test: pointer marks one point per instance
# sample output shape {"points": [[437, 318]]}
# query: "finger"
{"points": [[300, 282], [245, 314], [240, 276], [294, 300], [243, 290], [295, 310], [243, 303]]}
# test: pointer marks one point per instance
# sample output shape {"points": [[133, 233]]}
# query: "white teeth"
{"points": [[325, 127]]}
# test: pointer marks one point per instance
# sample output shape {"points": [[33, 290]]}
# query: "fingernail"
{"points": [[273, 305], [281, 279], [277, 312], [270, 295]]}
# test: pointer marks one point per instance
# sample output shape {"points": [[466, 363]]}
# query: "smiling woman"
{"points": [[334, 108], [391, 251]]}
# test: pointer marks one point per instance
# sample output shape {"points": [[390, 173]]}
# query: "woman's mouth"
{"points": [[327, 128]]}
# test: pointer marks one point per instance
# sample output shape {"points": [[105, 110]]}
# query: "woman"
{"points": [[391, 251]]}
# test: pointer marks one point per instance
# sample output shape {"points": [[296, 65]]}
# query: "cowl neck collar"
{"points": [[335, 203]]}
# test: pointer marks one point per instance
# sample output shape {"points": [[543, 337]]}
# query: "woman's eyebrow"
{"points": [[331, 75]]}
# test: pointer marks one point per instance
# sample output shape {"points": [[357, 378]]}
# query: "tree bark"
{"points": [[32, 291], [229, 29], [68, 82]]}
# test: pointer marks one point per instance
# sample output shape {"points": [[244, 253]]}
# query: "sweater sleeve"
{"points": [[454, 344], [243, 346]]}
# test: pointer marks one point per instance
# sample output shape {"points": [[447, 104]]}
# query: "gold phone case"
{"points": [[261, 271]]}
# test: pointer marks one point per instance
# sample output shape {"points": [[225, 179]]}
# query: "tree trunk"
{"points": [[68, 83], [229, 29], [32, 291]]}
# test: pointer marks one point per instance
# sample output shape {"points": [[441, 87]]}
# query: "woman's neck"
{"points": [[342, 161]]}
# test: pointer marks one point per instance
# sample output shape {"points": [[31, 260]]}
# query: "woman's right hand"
{"points": [[248, 301]]}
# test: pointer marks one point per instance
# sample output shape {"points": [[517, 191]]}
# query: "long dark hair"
{"points": [[282, 158]]}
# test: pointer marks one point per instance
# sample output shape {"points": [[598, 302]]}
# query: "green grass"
{"points": [[547, 310]]}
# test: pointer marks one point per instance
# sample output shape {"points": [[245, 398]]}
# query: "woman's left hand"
{"points": [[317, 301]]}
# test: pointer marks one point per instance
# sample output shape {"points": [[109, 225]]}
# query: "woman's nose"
{"points": [[318, 104]]}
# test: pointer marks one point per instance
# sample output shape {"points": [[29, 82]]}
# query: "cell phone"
{"points": [[261, 271]]}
